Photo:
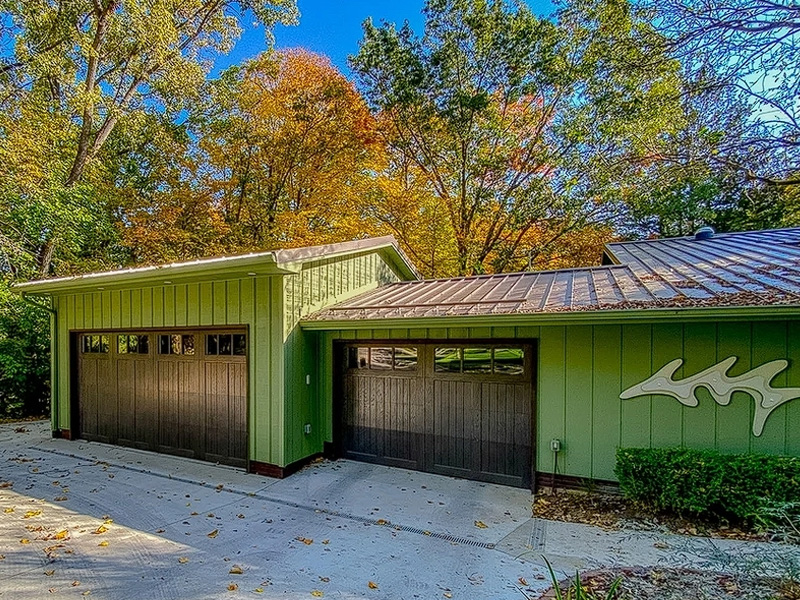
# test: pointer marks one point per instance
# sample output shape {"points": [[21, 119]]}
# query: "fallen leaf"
{"points": [[426, 532], [193, 514], [306, 541], [6, 484], [326, 542], [8, 510], [159, 531], [76, 583], [101, 529], [210, 515], [522, 581], [183, 560], [240, 516], [104, 543], [236, 570], [317, 593], [448, 595], [60, 499], [219, 487], [86, 593], [213, 534], [372, 585], [108, 521], [381, 521], [24, 541], [50, 572], [32, 513], [481, 525], [62, 534], [2, 556], [232, 587], [259, 590]]}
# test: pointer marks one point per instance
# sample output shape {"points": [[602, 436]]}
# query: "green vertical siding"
{"points": [[253, 302], [582, 369], [319, 284]]}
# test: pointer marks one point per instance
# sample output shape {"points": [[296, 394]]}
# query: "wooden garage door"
{"points": [[182, 393], [456, 409]]}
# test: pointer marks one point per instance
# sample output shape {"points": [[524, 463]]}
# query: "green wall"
{"points": [[582, 369], [319, 284], [255, 302], [280, 401]]}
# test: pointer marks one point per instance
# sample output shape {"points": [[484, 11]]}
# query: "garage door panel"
{"points": [[464, 419], [88, 390], [191, 409], [107, 409], [145, 410], [165, 393], [217, 410], [168, 401], [237, 435], [127, 379]]}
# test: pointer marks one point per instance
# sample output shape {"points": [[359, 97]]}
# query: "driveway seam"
{"points": [[315, 509]]}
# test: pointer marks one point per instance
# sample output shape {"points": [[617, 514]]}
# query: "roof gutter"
{"points": [[54, 401], [589, 317]]}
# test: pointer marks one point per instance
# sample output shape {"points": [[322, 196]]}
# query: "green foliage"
{"points": [[577, 591], [510, 121], [24, 356], [705, 483]]}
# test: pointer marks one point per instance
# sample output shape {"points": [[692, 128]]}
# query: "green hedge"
{"points": [[707, 484]]}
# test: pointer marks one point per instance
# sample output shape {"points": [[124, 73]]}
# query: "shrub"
{"points": [[24, 356], [705, 483]]}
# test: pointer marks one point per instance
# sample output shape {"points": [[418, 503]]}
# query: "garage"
{"points": [[458, 409], [176, 392]]}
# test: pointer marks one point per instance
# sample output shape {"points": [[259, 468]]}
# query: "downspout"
{"points": [[54, 403]]}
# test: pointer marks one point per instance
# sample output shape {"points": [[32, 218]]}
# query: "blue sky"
{"points": [[333, 28]]}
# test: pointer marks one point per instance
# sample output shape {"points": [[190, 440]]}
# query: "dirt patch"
{"points": [[615, 512], [9, 420], [676, 584]]}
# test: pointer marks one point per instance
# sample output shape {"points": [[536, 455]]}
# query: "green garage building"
{"points": [[266, 360]]}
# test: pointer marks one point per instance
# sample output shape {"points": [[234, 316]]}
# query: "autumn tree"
{"points": [[286, 149], [86, 65], [508, 120]]}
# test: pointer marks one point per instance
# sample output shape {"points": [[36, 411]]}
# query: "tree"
{"points": [[507, 120], [91, 63], [282, 153], [751, 47]]}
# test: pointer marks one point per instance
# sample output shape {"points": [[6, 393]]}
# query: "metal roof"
{"points": [[760, 268], [256, 263]]}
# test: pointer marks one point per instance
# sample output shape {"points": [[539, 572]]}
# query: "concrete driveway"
{"points": [[84, 519]]}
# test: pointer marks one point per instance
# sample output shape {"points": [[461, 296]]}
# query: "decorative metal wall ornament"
{"points": [[755, 382]]}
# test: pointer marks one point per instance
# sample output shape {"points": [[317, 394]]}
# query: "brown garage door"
{"points": [[181, 393], [454, 409]]}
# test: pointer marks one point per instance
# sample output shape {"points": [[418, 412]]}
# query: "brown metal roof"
{"points": [[758, 268]]}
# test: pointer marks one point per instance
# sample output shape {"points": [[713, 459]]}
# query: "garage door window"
{"points": [[226, 344], [176, 344], [95, 344], [509, 361], [133, 344], [476, 360], [382, 358]]}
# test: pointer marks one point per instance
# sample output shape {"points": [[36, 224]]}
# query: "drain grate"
{"points": [[315, 509]]}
